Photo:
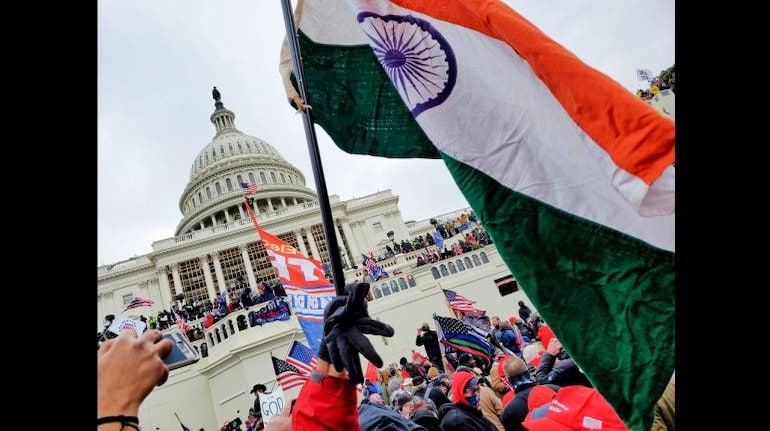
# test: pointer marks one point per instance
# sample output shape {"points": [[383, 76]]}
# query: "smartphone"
{"points": [[234, 424], [182, 352]]}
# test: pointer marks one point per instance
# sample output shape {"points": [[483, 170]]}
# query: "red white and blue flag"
{"points": [[302, 357], [287, 375], [180, 322], [372, 267], [458, 302], [306, 286], [138, 302], [249, 188]]}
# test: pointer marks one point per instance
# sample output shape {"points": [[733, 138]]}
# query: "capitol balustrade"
{"points": [[227, 328], [400, 260], [235, 225], [123, 265], [233, 331]]}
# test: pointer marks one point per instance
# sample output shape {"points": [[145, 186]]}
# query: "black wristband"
{"points": [[131, 421]]}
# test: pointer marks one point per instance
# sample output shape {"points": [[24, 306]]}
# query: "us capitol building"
{"points": [[215, 242]]}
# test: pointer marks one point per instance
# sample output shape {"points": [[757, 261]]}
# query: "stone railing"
{"points": [[123, 265], [232, 226]]}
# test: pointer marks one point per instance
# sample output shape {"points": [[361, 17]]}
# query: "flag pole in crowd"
{"points": [[446, 301], [315, 156], [184, 428]]}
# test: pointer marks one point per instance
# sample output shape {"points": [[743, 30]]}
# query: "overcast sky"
{"points": [[158, 60]]}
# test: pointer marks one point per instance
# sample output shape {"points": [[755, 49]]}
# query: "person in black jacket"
{"points": [[556, 367], [518, 376], [429, 339], [464, 414], [439, 391], [524, 311]]}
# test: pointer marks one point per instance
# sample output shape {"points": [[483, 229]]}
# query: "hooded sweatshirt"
{"points": [[460, 415]]}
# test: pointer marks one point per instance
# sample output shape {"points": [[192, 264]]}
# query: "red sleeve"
{"points": [[326, 406], [405, 374]]}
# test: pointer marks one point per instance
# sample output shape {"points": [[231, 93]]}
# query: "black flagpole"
{"points": [[315, 157]]}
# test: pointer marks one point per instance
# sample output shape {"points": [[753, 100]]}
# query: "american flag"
{"points": [[302, 357], [463, 337], [249, 188], [461, 303], [139, 302], [288, 375], [180, 322], [371, 265]]}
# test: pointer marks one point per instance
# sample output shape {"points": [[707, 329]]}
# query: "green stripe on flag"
{"points": [[469, 344], [355, 102], [607, 296]]}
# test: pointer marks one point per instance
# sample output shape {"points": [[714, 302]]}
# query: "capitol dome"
{"points": [[213, 194]]}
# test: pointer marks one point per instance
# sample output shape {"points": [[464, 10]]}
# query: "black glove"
{"points": [[346, 320]]}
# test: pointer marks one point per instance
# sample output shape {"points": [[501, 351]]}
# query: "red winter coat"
{"points": [[328, 405]]}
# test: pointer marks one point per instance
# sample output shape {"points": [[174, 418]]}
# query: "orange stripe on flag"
{"points": [[637, 138]]}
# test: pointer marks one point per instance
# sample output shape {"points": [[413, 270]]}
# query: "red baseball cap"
{"points": [[577, 408]]}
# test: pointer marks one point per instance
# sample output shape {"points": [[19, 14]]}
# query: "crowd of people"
{"points": [[196, 316], [473, 240], [447, 229], [531, 383]]}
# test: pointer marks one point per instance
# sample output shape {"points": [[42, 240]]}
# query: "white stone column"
{"points": [[295, 201], [165, 289], [213, 220], [300, 242], [227, 215], [177, 280], [283, 202], [203, 226], [240, 209], [218, 272], [313, 247], [249, 268], [256, 208], [346, 255], [209, 280], [100, 312], [355, 253]]}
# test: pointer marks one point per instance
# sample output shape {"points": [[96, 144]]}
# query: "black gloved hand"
{"points": [[346, 320]]}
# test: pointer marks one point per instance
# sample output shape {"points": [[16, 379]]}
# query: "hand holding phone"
{"points": [[182, 352]]}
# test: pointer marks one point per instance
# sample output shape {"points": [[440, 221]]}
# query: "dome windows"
{"points": [[229, 185], [222, 150], [240, 148], [272, 177], [230, 145], [251, 178], [200, 198], [240, 179], [262, 177], [219, 189], [208, 192], [283, 179]]}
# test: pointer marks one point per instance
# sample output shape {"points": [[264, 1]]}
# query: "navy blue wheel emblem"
{"points": [[416, 57]]}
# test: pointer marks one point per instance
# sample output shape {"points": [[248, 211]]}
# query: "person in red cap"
{"points": [[577, 408], [464, 411]]}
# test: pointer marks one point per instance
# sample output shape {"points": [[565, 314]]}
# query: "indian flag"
{"points": [[572, 175]]}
